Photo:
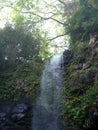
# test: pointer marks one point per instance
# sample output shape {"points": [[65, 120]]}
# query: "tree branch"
{"points": [[57, 21], [61, 2], [44, 17], [30, 12], [56, 37]]}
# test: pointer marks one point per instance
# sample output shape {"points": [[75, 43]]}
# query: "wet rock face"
{"points": [[20, 108], [67, 57], [94, 113], [19, 112], [15, 117]]}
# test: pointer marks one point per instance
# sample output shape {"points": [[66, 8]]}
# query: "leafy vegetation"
{"points": [[24, 46], [80, 86], [83, 22], [20, 63]]}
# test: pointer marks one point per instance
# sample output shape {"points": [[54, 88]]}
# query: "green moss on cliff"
{"points": [[80, 88], [21, 82]]}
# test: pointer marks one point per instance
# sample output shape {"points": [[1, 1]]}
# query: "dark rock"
{"points": [[20, 108], [67, 57], [66, 61], [82, 60], [5, 122], [12, 128], [17, 116], [77, 91], [78, 67], [19, 112], [95, 115], [3, 119], [2, 115]]}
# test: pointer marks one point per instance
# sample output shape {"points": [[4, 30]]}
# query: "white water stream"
{"points": [[45, 116]]}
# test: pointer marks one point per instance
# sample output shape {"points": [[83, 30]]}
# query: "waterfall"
{"points": [[45, 116]]}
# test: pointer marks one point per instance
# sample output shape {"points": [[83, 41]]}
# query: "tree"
{"points": [[18, 45], [83, 22], [35, 14]]}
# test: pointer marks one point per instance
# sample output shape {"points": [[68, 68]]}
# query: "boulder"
{"points": [[17, 116], [95, 115], [3, 119], [19, 112], [20, 108], [2, 115]]}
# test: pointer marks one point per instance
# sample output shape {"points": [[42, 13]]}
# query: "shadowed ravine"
{"points": [[45, 116]]}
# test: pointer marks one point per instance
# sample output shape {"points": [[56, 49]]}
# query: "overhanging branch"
{"points": [[56, 37], [61, 2], [51, 17], [32, 13], [57, 21]]}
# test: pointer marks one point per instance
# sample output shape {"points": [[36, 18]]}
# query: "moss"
{"points": [[22, 81], [80, 89]]}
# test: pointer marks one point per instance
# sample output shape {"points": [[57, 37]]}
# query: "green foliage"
{"points": [[74, 109], [80, 87], [18, 45], [20, 62], [89, 3], [22, 81], [82, 23], [74, 104]]}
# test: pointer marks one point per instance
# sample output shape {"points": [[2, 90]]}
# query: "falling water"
{"points": [[45, 113]]}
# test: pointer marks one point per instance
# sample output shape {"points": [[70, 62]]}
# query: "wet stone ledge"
{"points": [[15, 116]]}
